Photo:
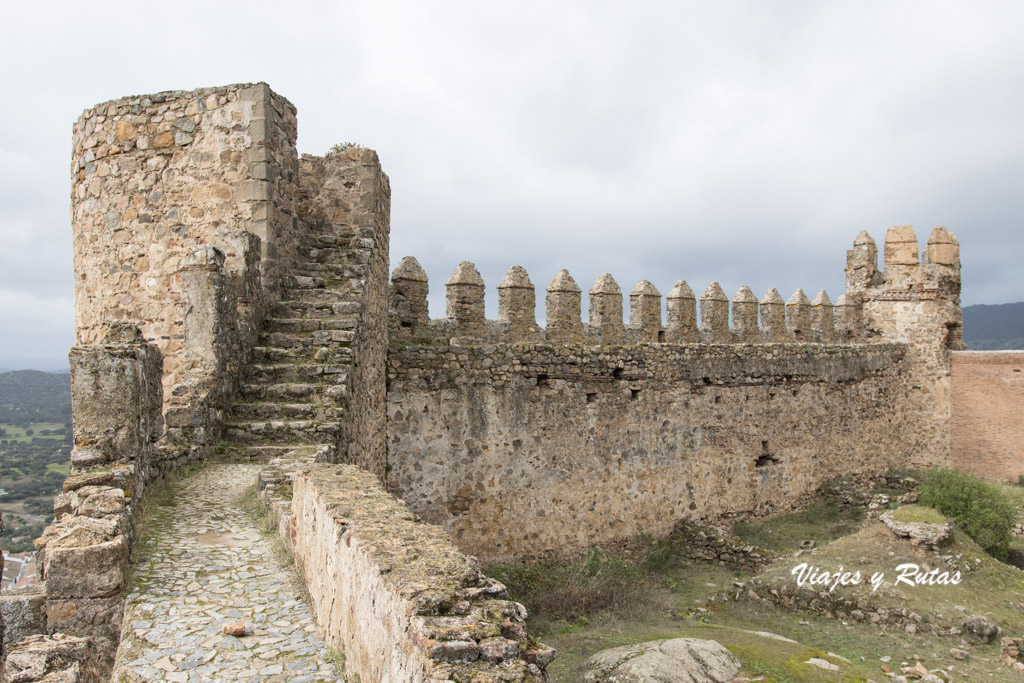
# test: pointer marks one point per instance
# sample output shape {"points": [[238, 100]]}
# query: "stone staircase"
{"points": [[292, 401]]}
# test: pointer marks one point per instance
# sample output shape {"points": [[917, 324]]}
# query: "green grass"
{"points": [[991, 587], [59, 467], [823, 520], [918, 513], [18, 434]]}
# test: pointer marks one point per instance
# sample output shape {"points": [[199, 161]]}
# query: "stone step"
{"points": [[315, 392], [273, 410], [331, 272], [304, 281], [328, 295], [294, 325], [278, 432], [330, 339], [273, 355], [350, 256], [321, 240], [324, 310], [282, 373], [263, 453]]}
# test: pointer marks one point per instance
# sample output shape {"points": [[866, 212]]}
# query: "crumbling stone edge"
{"points": [[392, 591]]}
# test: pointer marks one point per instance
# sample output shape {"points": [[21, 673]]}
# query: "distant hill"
{"points": [[994, 327], [34, 396], [3, 370]]}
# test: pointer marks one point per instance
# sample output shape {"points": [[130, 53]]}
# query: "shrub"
{"points": [[983, 511], [343, 147]]}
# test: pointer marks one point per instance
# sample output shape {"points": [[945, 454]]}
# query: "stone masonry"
{"points": [[526, 441], [232, 300]]}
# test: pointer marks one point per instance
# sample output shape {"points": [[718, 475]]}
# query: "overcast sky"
{"points": [[743, 142]]}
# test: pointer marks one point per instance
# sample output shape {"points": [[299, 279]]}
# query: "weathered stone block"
{"points": [[57, 658], [24, 615], [97, 570]]}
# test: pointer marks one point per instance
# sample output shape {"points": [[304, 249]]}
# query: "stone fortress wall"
{"points": [[193, 216], [526, 441]]}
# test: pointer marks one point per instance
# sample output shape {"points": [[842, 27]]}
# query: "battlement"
{"points": [[769, 320]]}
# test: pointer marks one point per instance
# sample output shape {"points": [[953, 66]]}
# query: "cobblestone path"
{"points": [[204, 564]]}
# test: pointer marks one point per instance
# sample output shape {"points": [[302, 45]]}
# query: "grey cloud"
{"points": [[741, 142]]}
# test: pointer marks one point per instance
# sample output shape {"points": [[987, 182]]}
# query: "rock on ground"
{"points": [[981, 629], [679, 660]]}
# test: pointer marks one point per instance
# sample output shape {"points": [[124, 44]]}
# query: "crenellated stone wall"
{"points": [[915, 301], [769, 320], [525, 441]]}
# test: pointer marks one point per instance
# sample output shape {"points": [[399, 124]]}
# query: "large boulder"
{"points": [[679, 660]]}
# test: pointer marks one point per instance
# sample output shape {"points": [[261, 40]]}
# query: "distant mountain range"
{"points": [[995, 327]]}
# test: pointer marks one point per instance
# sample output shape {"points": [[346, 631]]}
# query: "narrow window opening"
{"points": [[765, 459], [542, 380], [591, 396], [634, 394], [661, 336], [617, 373], [718, 399], [406, 323]]}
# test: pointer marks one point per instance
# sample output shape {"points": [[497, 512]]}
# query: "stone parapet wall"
{"points": [[84, 555], [770, 320], [525, 451], [988, 404], [394, 592]]}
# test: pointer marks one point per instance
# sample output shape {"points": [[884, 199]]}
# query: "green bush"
{"points": [[983, 511]]}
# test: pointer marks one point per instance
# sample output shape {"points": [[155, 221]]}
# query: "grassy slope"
{"points": [[661, 602]]}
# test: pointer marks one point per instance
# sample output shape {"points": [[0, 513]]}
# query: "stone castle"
{"points": [[233, 301]]}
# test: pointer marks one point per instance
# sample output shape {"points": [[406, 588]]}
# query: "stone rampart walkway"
{"points": [[205, 564]]}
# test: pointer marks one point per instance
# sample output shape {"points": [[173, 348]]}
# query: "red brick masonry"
{"points": [[988, 413]]}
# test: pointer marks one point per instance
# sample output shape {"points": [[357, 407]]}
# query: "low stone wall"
{"points": [[524, 451], [84, 555], [988, 401], [394, 592]]}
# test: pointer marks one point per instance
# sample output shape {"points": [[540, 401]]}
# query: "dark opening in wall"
{"points": [[406, 323], [718, 399], [591, 396], [661, 336], [766, 459], [634, 394], [617, 373], [542, 380]]}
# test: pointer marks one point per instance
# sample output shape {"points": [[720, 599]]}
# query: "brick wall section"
{"points": [[525, 451], [988, 406], [396, 594]]}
